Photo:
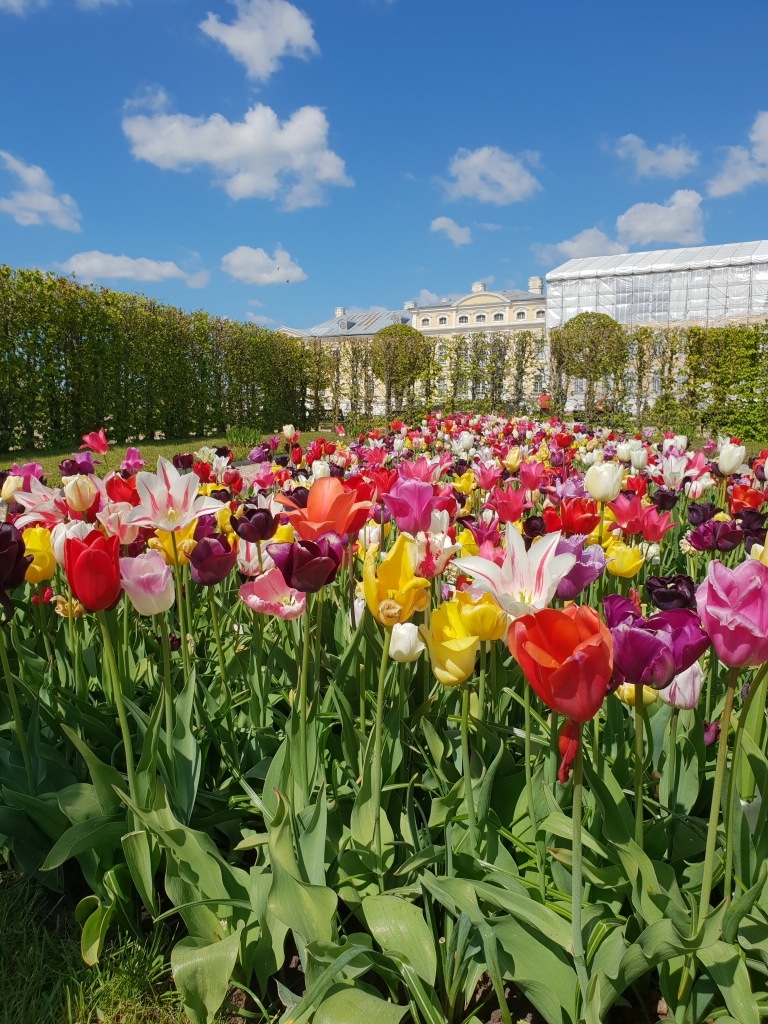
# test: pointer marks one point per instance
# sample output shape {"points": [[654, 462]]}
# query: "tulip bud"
{"points": [[405, 645], [639, 458], [80, 493], [11, 484]]}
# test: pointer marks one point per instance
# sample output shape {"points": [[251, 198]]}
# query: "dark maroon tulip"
{"points": [[255, 524], [225, 453], [700, 512], [711, 733], [753, 525], [221, 494], [664, 500], [299, 496], [13, 563], [183, 461], [643, 655], [174, 642], [533, 527], [714, 535], [668, 592], [307, 565], [212, 560]]}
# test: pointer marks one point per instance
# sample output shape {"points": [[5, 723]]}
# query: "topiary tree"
{"points": [[399, 355], [591, 347]]}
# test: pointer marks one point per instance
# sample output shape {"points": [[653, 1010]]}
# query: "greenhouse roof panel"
{"points": [[735, 254]]}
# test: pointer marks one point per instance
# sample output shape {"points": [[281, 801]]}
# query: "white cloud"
{"points": [[589, 242], [490, 227], [491, 176], [679, 220], [258, 156], [263, 31], [254, 266], [662, 162], [102, 266], [458, 235], [428, 298], [35, 202], [255, 302], [262, 321], [744, 167], [94, 5], [20, 7]]}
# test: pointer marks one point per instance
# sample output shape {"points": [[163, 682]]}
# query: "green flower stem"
{"points": [[494, 676], [167, 695], [673, 763], [465, 761], [181, 609], [639, 764], [17, 721], [376, 780], [43, 622], [577, 881], [303, 770], [754, 686], [318, 641], [481, 684], [223, 669], [714, 808], [109, 653], [529, 786]]}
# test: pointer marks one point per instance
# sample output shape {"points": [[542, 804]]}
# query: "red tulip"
{"points": [[92, 568], [578, 516], [97, 441]]}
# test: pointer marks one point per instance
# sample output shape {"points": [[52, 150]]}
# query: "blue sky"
{"points": [[268, 160]]}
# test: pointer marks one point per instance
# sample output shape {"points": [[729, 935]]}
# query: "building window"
{"points": [[578, 387], [538, 384], [498, 316], [443, 321], [520, 314], [463, 319], [540, 314], [480, 318], [655, 383], [425, 321]]}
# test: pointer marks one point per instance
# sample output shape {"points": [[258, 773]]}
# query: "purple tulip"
{"points": [[308, 565], [132, 462], [711, 733], [212, 560], [183, 461], [590, 563], [257, 454], [255, 524], [669, 592], [619, 611], [412, 503], [643, 655], [753, 525], [205, 527], [689, 639]]}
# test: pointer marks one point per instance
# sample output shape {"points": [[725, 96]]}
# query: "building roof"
{"points": [[513, 295], [351, 325], [736, 254]]}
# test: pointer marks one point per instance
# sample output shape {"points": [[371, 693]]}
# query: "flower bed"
{"points": [[424, 713]]}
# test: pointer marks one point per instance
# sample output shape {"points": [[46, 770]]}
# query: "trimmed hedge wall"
{"points": [[74, 357]]}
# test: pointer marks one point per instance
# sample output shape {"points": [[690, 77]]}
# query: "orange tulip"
{"points": [[329, 509], [745, 497]]}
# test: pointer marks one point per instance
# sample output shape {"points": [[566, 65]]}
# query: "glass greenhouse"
{"points": [[710, 285]]}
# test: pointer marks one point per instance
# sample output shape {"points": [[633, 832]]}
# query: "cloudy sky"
{"points": [[269, 161]]}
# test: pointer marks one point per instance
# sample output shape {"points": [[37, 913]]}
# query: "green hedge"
{"points": [[74, 357]]}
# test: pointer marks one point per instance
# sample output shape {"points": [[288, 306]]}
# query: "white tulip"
{"points": [[289, 431], [623, 452], [439, 521], [602, 481], [405, 645], [731, 458], [11, 484], [320, 469], [80, 492], [639, 458]]}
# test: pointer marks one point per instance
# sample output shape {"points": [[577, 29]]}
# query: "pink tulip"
{"points": [[148, 582], [97, 442], [411, 503], [269, 594], [530, 475], [733, 607], [114, 518], [487, 476], [133, 461]]}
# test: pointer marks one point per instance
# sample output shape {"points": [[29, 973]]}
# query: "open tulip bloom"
{"points": [[169, 501]]}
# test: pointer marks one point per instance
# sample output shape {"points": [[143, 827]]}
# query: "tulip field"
{"points": [[443, 723]]}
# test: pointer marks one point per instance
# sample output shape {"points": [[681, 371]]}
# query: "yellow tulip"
{"points": [[452, 650], [482, 617], [223, 517], [512, 460], [185, 542], [393, 591], [609, 535], [623, 560], [464, 483], [37, 542], [626, 694], [284, 534], [468, 544], [760, 553]]}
